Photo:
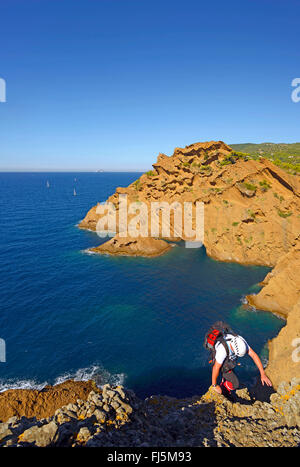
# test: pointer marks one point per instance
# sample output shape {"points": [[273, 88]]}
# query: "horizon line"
{"points": [[69, 170]]}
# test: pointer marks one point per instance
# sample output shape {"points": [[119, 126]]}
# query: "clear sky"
{"points": [[108, 84]]}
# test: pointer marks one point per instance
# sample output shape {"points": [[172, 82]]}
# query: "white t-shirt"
{"points": [[221, 351]]}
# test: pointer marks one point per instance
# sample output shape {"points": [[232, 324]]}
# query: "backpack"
{"points": [[216, 334]]}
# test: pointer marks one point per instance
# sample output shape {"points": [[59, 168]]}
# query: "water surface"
{"points": [[138, 321]]}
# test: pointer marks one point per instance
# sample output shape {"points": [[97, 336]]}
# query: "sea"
{"points": [[139, 322]]}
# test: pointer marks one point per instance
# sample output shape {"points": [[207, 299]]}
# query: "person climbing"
{"points": [[226, 347]]}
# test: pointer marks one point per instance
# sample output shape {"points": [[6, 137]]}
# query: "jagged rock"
{"points": [[84, 434], [4, 431], [43, 436], [206, 172], [129, 246], [100, 415], [284, 350], [281, 290]]}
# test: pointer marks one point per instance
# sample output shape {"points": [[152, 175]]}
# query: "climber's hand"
{"points": [[217, 389], [265, 379]]}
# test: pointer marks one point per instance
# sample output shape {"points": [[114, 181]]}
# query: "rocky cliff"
{"points": [[252, 207], [116, 417]]}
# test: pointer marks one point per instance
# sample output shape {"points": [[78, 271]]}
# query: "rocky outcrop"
{"points": [[129, 246], [42, 404], [116, 417], [284, 350], [252, 207], [281, 287]]}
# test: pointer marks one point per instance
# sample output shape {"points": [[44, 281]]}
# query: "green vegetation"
{"points": [[202, 167], [216, 190], [281, 198], [251, 213], [137, 184], [206, 168], [265, 186], [286, 156], [233, 157], [235, 224], [249, 186], [284, 214], [150, 173]]}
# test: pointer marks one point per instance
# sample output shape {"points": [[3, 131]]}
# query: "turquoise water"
{"points": [[137, 321]]}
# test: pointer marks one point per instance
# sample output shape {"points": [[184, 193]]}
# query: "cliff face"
{"points": [[252, 216], [252, 208], [114, 416], [284, 350], [281, 287]]}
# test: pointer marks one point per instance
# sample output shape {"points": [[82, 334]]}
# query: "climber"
{"points": [[226, 347]]}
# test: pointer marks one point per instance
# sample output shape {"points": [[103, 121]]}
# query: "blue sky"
{"points": [[111, 83]]}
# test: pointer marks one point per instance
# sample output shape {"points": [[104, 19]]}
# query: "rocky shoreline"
{"points": [[114, 416]]}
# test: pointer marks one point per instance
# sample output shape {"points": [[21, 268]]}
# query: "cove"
{"points": [[135, 321]]}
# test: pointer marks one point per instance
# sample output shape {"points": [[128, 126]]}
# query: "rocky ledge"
{"points": [[114, 416]]}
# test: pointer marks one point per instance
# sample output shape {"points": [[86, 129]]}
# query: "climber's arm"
{"points": [[257, 361], [215, 374]]}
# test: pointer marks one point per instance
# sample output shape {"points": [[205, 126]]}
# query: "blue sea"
{"points": [[135, 321]]}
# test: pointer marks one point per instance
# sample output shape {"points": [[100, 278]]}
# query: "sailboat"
{"points": [[48, 184], [74, 193]]}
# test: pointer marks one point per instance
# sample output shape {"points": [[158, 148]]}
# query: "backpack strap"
{"points": [[222, 341]]}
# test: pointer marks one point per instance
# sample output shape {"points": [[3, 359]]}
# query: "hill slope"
{"points": [[284, 155]]}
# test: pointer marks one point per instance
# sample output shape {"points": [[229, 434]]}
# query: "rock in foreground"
{"points": [[116, 417], [41, 404]]}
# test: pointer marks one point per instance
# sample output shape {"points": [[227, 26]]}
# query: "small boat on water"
{"points": [[48, 184], [74, 193]]}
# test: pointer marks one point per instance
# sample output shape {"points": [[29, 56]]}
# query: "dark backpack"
{"points": [[217, 333]]}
